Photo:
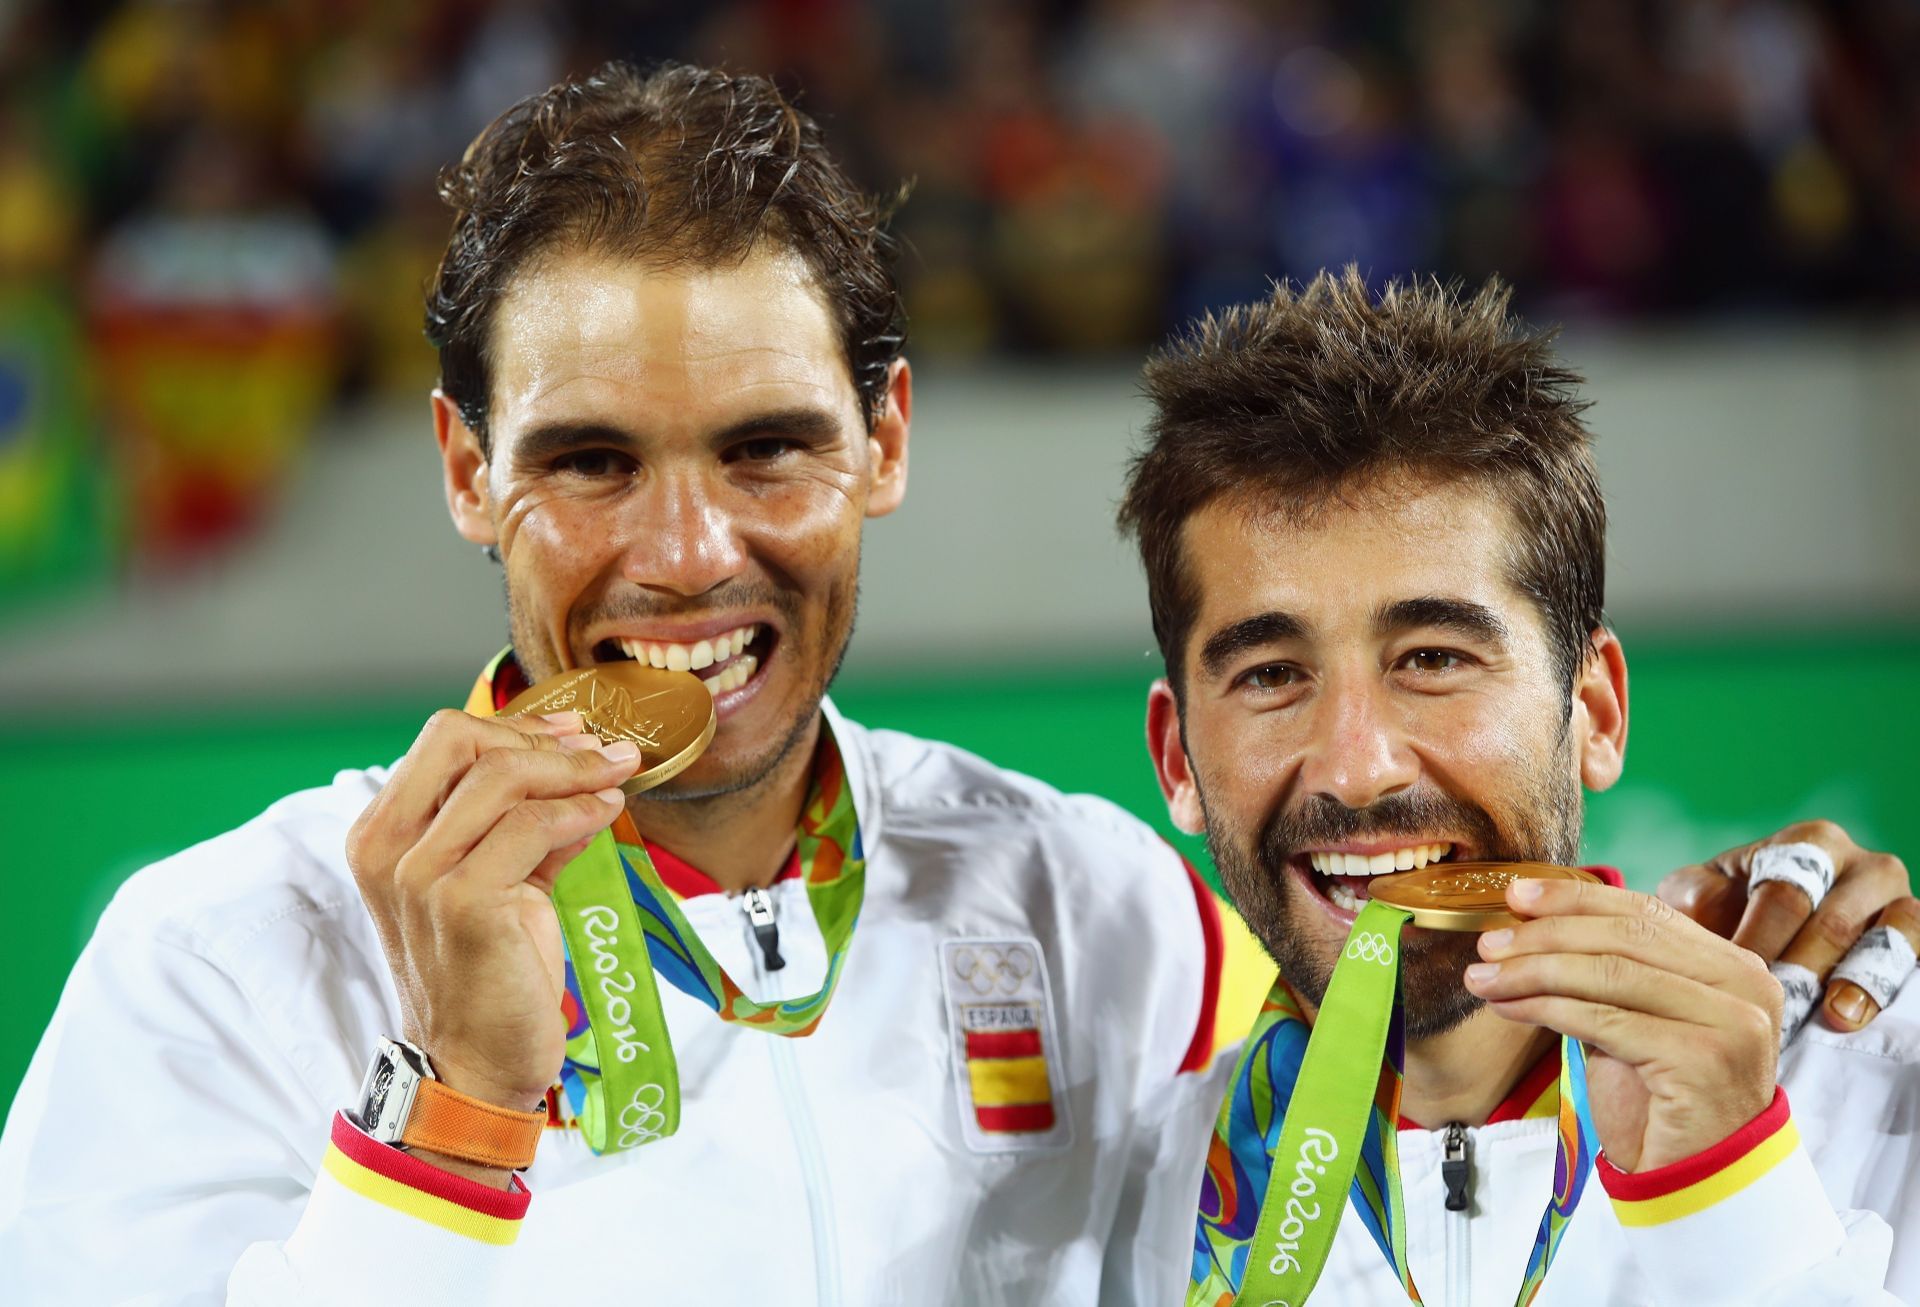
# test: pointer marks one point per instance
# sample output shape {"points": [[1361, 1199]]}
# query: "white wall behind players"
{"points": [[1752, 476]]}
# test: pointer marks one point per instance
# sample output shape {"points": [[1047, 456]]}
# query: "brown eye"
{"points": [[764, 450], [1432, 660], [1274, 676], [593, 463]]}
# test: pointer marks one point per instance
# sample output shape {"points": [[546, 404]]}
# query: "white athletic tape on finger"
{"points": [[1805, 865], [1880, 963], [1802, 991]]}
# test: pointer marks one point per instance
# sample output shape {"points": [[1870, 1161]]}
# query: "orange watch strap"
{"points": [[453, 1124]]}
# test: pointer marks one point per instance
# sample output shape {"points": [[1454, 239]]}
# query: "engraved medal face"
{"points": [[1464, 895], [668, 714]]}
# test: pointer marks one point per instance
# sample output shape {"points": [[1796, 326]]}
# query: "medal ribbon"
{"points": [[620, 924], [1293, 1140]]}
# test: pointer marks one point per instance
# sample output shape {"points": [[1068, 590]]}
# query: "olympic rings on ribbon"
{"points": [[1370, 946], [641, 1120]]}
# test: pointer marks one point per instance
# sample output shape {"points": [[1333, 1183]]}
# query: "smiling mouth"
{"points": [[1342, 878], [722, 662]]}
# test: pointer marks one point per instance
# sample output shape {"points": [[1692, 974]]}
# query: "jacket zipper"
{"points": [[758, 906], [1456, 1171]]}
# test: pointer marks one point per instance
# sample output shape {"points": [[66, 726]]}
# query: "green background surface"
{"points": [[1732, 737]]}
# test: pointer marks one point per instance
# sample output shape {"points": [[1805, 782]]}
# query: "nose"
{"points": [[683, 538], [1359, 751]]}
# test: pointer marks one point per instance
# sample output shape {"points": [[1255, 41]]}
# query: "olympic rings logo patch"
{"points": [[641, 1120], [985, 970], [1370, 946]]}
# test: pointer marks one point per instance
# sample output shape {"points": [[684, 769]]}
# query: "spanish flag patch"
{"points": [[1005, 1055]]}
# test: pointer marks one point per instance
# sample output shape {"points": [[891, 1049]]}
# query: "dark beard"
{"points": [[1544, 827]]}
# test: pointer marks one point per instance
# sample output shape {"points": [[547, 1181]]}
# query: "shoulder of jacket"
{"points": [[217, 897], [931, 790], [930, 779]]}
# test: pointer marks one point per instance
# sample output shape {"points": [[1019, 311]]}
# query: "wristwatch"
{"points": [[404, 1104]]}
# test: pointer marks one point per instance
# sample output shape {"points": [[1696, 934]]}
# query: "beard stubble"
{"points": [[1542, 826]]}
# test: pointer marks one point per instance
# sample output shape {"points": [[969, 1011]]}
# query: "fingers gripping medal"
{"points": [[669, 715], [1334, 1137], [635, 1093]]}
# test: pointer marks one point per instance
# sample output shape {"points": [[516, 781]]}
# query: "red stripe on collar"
{"points": [[509, 682], [685, 880]]}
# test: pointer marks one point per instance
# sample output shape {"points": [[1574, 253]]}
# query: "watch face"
{"points": [[377, 1095]]}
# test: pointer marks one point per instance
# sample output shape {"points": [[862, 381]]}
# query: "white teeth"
{"points": [[690, 657], [1342, 897], [732, 676], [1361, 864]]}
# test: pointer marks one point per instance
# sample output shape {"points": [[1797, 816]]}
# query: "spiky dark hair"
{"points": [[1311, 393]]}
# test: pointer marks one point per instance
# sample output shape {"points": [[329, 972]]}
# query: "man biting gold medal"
{"points": [[1374, 542]]}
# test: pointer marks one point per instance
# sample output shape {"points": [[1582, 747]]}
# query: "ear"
{"points": [[1170, 765], [463, 466], [1600, 712], [887, 443]]}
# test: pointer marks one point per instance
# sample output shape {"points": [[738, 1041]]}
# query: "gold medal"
{"points": [[1464, 895], [668, 714]]}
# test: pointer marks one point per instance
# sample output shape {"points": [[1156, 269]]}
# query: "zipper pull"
{"points": [[1456, 1169], [758, 905]]}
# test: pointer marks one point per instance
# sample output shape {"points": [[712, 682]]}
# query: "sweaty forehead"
{"points": [[1339, 564], [578, 333]]}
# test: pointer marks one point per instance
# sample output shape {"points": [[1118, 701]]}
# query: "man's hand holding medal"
{"points": [[1681, 1027]]}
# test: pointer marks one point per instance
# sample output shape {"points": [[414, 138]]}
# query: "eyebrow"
{"points": [[1229, 642], [1461, 616], [545, 439]]}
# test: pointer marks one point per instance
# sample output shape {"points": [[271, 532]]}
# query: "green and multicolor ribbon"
{"points": [[619, 1103], [620, 1080], [1292, 1138]]}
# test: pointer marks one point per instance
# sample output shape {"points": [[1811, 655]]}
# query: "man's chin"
{"points": [[1433, 992], [738, 765]]}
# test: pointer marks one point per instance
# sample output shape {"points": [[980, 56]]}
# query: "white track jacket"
{"points": [[177, 1137], [176, 1140]]}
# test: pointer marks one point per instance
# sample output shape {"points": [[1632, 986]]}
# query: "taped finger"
{"points": [[1800, 990], [1869, 977], [1807, 867]]}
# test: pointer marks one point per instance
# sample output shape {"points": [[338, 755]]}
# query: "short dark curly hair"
{"points": [[1312, 392], [674, 164]]}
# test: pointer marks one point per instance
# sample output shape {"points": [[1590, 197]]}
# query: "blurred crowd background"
{"points": [[216, 216], [224, 565]]}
